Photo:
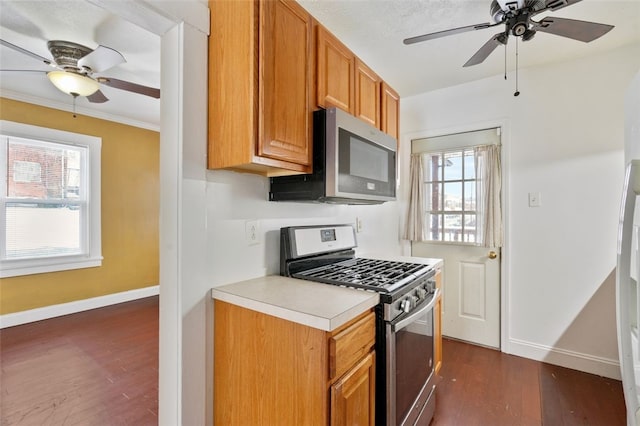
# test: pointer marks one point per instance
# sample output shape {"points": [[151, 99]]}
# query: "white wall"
{"points": [[234, 198], [564, 139]]}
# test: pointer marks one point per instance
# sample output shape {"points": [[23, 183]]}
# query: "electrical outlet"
{"points": [[252, 232], [534, 199], [358, 225]]}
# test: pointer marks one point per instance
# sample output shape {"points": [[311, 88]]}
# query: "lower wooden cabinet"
{"points": [[270, 371], [353, 395]]}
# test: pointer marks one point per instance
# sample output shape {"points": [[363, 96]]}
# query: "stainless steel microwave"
{"points": [[353, 163]]}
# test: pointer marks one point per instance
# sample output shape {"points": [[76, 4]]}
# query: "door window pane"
{"points": [[453, 227], [434, 196], [435, 226], [452, 166], [453, 196], [469, 196], [469, 165]]}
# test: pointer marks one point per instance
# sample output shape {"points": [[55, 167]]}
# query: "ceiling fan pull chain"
{"points": [[505, 61], [516, 92], [74, 104]]}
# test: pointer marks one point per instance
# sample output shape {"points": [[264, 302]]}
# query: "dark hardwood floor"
{"points": [[100, 367], [480, 386]]}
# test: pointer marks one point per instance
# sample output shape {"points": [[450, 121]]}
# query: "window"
{"points": [[450, 182], [49, 201], [459, 198]]}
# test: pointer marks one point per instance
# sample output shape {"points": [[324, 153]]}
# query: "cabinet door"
{"points": [[285, 78], [335, 73], [390, 111], [353, 395], [367, 94]]}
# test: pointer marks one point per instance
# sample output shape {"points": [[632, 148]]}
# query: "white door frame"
{"points": [[183, 27], [504, 125]]}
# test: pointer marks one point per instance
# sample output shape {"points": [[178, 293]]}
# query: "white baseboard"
{"points": [[600, 366], [38, 314]]}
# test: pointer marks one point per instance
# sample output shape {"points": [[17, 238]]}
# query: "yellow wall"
{"points": [[130, 209]]}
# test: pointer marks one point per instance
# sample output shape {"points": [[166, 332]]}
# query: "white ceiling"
{"points": [[373, 29], [30, 24]]}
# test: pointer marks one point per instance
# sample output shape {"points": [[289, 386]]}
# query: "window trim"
{"points": [[93, 256]]}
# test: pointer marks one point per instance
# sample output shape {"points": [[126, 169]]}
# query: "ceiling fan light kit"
{"points": [[73, 84]]}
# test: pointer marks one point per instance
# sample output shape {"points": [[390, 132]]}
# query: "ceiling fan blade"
{"points": [[101, 59], [438, 34], [40, 71], [552, 5], [559, 4], [486, 49], [27, 52], [97, 98], [571, 28], [131, 87]]}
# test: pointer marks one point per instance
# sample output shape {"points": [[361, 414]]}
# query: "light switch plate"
{"points": [[534, 199]]}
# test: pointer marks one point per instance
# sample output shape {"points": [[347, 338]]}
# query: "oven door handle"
{"points": [[402, 322]]}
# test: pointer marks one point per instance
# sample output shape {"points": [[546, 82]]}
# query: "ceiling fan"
{"points": [[516, 15], [75, 65]]}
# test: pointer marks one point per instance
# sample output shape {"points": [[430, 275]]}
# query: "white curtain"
{"points": [[488, 190], [414, 226]]}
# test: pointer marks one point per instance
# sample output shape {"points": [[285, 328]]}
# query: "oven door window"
{"points": [[365, 167], [414, 362]]}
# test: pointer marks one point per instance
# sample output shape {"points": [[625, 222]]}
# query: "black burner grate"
{"points": [[371, 274]]}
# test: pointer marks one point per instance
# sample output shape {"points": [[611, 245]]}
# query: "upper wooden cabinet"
{"points": [[390, 111], [260, 75], [335, 72], [367, 94], [344, 81]]}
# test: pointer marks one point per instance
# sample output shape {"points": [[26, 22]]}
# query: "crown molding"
{"points": [[9, 94]]}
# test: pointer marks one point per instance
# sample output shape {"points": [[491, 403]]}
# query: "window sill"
{"points": [[17, 268]]}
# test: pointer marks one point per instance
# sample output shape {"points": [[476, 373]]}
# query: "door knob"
{"points": [[493, 254]]}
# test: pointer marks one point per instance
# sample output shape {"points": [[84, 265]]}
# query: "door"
{"points": [[471, 276], [471, 291]]}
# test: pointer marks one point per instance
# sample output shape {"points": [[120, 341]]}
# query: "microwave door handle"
{"points": [[403, 322]]}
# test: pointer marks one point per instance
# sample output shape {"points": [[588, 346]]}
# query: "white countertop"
{"points": [[322, 306]]}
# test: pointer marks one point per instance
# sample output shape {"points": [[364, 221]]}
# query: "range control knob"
{"points": [[406, 305], [421, 293]]}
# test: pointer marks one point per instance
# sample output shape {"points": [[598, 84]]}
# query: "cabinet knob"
{"points": [[493, 254]]}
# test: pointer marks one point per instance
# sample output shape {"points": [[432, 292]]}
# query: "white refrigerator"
{"points": [[627, 271]]}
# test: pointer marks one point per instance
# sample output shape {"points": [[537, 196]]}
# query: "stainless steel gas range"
{"points": [[405, 379]]}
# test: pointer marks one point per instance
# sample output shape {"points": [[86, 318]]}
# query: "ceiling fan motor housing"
{"points": [[66, 54]]}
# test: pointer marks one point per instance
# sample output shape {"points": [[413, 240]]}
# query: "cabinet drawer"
{"points": [[349, 345]]}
